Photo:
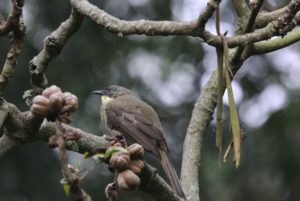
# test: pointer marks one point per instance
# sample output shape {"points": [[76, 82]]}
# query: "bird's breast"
{"points": [[103, 114]]}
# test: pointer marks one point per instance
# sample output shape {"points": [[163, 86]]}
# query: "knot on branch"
{"points": [[52, 45]]}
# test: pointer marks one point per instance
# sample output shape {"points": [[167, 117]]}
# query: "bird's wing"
{"points": [[132, 122]]}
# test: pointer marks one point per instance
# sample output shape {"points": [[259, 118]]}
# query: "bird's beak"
{"points": [[99, 92]]}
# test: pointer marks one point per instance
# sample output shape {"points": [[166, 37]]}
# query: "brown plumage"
{"points": [[126, 114]]}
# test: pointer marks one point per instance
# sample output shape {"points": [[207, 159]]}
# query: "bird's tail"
{"points": [[171, 173]]}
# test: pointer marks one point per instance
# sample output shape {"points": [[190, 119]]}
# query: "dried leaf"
{"points": [[234, 121]]}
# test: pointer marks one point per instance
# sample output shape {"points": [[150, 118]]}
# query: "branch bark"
{"points": [[241, 8], [201, 116], [13, 20], [147, 27], [276, 43], [52, 47], [22, 128], [15, 29]]}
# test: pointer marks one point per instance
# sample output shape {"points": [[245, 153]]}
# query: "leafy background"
{"points": [[167, 72]]}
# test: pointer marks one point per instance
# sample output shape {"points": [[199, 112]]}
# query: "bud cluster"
{"points": [[54, 104]]}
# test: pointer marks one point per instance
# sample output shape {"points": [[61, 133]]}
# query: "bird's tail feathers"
{"points": [[171, 173]]}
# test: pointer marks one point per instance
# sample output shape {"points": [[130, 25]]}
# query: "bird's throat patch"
{"points": [[105, 99]]}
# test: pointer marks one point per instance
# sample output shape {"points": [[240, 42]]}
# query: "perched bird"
{"points": [[124, 114]]}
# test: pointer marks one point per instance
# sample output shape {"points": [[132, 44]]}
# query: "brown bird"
{"points": [[123, 113]]}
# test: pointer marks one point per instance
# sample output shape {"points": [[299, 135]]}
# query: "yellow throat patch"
{"points": [[105, 99]]}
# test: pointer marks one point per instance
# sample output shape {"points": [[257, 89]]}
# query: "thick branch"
{"points": [[123, 27], [52, 47], [81, 143], [201, 117], [276, 43], [153, 184], [21, 128], [149, 28], [276, 28], [265, 18], [7, 144], [12, 123]]}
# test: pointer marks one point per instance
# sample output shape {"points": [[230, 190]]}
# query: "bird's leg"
{"points": [[118, 140]]}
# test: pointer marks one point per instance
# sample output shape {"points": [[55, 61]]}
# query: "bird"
{"points": [[122, 113]]}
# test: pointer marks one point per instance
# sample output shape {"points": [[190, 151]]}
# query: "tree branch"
{"points": [[7, 144], [24, 127], [52, 47], [13, 20], [122, 27], [280, 27], [265, 18], [276, 43], [149, 28], [241, 8], [248, 28], [21, 128], [201, 116], [204, 16], [76, 193], [156, 186], [15, 28], [10, 63]]}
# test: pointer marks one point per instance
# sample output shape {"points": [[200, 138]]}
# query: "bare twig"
{"points": [[219, 124], [52, 47], [277, 28], [13, 20], [218, 21], [10, 63], [204, 16], [247, 29], [15, 27], [253, 15], [76, 193]]}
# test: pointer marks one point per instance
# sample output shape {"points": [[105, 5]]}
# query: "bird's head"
{"points": [[111, 92]]}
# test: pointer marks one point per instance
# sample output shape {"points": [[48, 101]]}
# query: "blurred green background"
{"points": [[167, 72]]}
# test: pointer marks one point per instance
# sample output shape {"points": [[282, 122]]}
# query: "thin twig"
{"points": [[15, 28], [248, 28], [13, 20], [76, 192]]}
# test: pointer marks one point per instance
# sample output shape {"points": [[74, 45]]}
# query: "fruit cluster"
{"points": [[128, 165], [53, 104]]}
